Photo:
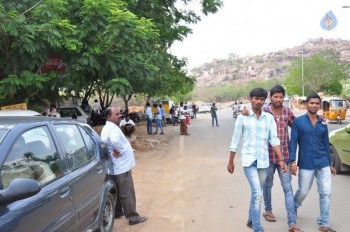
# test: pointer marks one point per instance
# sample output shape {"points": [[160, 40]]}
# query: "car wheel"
{"points": [[335, 160], [108, 214]]}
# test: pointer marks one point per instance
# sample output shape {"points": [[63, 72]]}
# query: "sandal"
{"points": [[269, 217], [295, 229], [326, 229]]}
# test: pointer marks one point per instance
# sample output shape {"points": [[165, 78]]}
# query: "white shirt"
{"points": [[124, 122], [114, 138], [181, 113], [148, 111], [256, 134], [96, 107], [159, 114]]}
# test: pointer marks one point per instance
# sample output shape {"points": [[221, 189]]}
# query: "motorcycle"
{"points": [[136, 116], [175, 120], [236, 113]]}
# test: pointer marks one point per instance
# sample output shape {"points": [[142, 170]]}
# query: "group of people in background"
{"points": [[266, 149]]}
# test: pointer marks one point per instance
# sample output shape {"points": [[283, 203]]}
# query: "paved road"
{"points": [[188, 189]]}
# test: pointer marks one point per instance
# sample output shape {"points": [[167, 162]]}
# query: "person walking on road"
{"points": [[214, 116], [284, 117], [148, 112], [121, 161], [158, 117], [182, 117], [310, 133], [257, 130]]}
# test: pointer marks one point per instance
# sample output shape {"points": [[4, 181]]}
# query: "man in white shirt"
{"points": [[127, 125], [148, 112], [182, 117], [121, 161], [96, 107]]}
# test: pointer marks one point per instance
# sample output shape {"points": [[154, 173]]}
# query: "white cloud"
{"points": [[250, 27]]}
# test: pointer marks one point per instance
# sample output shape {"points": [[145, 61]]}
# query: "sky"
{"points": [[253, 27]]}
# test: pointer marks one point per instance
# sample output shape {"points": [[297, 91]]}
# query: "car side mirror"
{"points": [[18, 189], [347, 128]]}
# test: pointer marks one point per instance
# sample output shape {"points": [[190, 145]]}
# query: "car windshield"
{"points": [[338, 103], [3, 132]]}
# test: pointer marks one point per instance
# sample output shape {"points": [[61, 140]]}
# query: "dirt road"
{"points": [[183, 186]]}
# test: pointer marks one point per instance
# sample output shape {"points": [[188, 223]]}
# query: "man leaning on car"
{"points": [[119, 166]]}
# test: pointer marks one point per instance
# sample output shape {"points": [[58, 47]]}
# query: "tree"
{"points": [[30, 32], [320, 75]]}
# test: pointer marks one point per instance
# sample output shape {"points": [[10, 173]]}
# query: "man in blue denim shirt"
{"points": [[314, 160]]}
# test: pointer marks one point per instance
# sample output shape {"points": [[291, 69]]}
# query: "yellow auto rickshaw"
{"points": [[334, 109]]}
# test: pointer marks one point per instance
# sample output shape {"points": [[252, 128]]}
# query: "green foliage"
{"points": [[320, 75], [112, 47], [231, 92]]}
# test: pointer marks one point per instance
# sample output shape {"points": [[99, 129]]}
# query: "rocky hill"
{"points": [[266, 66]]}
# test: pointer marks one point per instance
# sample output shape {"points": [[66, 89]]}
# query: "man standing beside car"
{"points": [[121, 161], [310, 132]]}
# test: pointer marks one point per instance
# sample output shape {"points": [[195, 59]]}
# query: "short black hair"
{"points": [[258, 92], [108, 111], [312, 95], [277, 89], [148, 104]]}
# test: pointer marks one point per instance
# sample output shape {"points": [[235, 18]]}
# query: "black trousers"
{"points": [[126, 199]]}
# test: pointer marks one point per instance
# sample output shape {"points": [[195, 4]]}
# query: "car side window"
{"points": [[77, 112], [90, 144], [76, 151], [33, 155]]}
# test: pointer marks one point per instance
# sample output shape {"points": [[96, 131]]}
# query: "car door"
{"points": [[34, 154], [341, 144], [87, 173]]}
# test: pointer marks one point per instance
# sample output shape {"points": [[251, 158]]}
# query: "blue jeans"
{"points": [[149, 126], [286, 182], [214, 117], [159, 124], [324, 187], [256, 178]]}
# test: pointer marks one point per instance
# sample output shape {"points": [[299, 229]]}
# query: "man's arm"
{"points": [[275, 143], [293, 147], [326, 144], [231, 164], [234, 144]]}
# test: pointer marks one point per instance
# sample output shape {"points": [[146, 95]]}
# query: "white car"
{"points": [[204, 108], [22, 113], [74, 112]]}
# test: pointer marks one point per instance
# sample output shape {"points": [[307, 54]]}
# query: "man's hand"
{"points": [[283, 166], [293, 169], [333, 171], [116, 154], [245, 112], [231, 167]]}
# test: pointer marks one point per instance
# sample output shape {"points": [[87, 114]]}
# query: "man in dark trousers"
{"points": [[121, 161]]}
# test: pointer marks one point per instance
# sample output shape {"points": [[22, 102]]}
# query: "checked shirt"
{"points": [[282, 122]]}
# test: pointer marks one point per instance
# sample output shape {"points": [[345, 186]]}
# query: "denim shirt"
{"points": [[256, 134], [313, 143]]}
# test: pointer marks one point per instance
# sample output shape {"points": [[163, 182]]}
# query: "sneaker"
{"points": [[162, 133]]}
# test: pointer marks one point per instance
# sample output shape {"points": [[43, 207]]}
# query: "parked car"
{"points": [[75, 112], [19, 113], [340, 151], [52, 176], [190, 110], [204, 108]]}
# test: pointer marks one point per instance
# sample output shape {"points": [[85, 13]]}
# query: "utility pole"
{"points": [[302, 71]]}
